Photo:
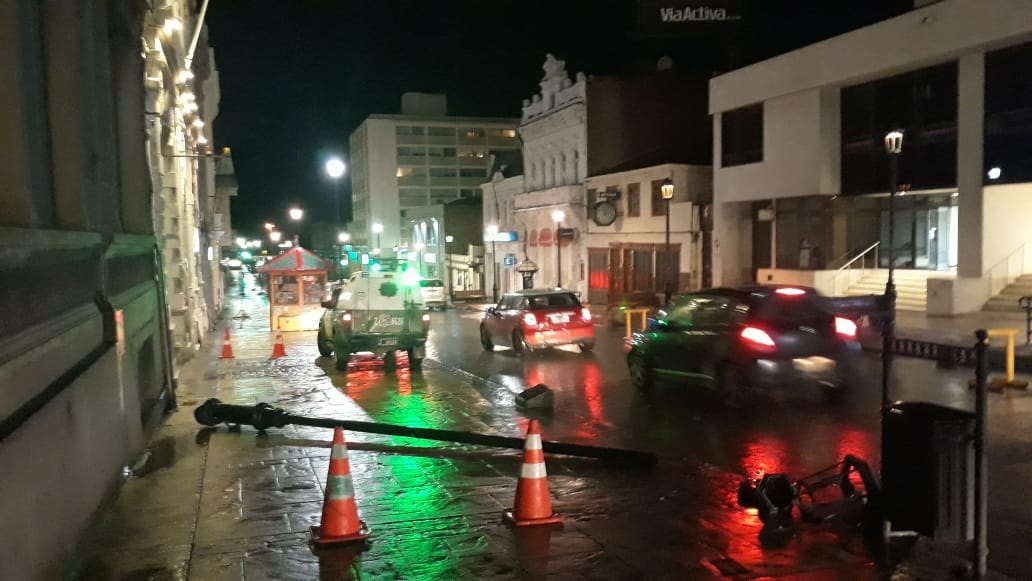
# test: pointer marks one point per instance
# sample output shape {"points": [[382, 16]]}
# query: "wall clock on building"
{"points": [[604, 213]]}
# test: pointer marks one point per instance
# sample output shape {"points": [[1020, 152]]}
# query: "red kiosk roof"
{"points": [[296, 259]]}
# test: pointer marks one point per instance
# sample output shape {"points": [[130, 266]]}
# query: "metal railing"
{"points": [[1006, 270], [849, 270]]}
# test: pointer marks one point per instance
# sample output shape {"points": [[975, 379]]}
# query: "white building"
{"points": [[555, 159], [801, 174], [627, 230], [422, 157], [182, 100], [588, 126]]}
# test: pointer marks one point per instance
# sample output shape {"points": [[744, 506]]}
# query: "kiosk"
{"points": [[297, 285]]}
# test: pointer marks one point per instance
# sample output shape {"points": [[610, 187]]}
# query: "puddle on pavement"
{"points": [[160, 454]]}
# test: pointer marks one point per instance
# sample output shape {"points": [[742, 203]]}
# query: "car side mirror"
{"points": [[328, 304], [492, 311]]}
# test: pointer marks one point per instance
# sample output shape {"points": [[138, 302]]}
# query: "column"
{"points": [[970, 143]]}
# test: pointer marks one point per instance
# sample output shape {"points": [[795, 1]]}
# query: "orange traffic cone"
{"points": [[227, 347], [340, 522], [278, 350], [533, 504]]}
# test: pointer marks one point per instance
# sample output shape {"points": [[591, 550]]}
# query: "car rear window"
{"points": [[430, 283], [556, 301], [790, 310]]}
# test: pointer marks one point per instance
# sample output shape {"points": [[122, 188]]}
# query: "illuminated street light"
{"points": [[377, 229], [275, 235], [343, 237], [667, 190], [270, 226], [994, 173], [296, 214], [335, 169], [241, 241]]}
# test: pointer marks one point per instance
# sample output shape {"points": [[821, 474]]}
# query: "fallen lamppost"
{"points": [[262, 416]]}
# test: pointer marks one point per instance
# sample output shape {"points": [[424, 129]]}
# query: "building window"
{"points": [[633, 200], [441, 131], [442, 195], [467, 193], [440, 152], [411, 152], [443, 172], [471, 133], [598, 269], [658, 203], [1008, 115], [467, 172], [923, 103], [406, 130], [741, 136]]}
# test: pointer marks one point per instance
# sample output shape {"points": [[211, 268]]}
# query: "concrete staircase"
{"points": [[1007, 299], [911, 287]]}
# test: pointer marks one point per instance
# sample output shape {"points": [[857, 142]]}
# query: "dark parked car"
{"points": [[749, 336], [534, 319]]}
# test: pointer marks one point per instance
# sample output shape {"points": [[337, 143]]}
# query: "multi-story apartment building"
{"points": [[422, 157]]}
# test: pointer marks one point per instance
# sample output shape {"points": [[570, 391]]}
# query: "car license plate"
{"points": [[560, 318], [814, 364], [386, 342]]}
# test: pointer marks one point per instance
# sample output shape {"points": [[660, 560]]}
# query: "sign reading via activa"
{"points": [[667, 13]]}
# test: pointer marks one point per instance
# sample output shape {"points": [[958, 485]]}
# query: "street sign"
{"points": [[509, 260]]}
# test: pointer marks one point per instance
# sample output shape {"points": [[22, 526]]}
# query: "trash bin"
{"points": [[928, 468]]}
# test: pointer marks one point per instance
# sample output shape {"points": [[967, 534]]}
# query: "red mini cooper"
{"points": [[537, 318]]}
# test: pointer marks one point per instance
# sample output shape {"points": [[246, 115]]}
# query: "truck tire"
{"points": [[342, 361], [390, 362], [415, 363], [325, 345]]}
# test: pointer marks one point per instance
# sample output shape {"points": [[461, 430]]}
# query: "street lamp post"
{"points": [[296, 214], [419, 247], [667, 189], [893, 146], [335, 169], [492, 233], [378, 229], [557, 217]]}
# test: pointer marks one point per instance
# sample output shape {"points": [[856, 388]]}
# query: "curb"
{"points": [[944, 350]]}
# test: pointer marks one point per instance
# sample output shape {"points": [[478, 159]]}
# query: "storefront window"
{"points": [[285, 289], [314, 291]]}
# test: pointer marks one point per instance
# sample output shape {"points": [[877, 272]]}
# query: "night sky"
{"points": [[298, 76]]}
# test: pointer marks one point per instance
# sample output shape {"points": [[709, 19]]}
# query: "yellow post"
{"points": [[1009, 334], [627, 319]]}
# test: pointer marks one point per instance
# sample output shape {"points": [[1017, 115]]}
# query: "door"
{"points": [[761, 239], [686, 341]]}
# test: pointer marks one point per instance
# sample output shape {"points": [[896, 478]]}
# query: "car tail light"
{"points": [[585, 313], [790, 291], [345, 319], [758, 339], [426, 317], [845, 327], [530, 320]]}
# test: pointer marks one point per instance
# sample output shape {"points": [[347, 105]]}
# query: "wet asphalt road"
{"points": [[463, 387]]}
